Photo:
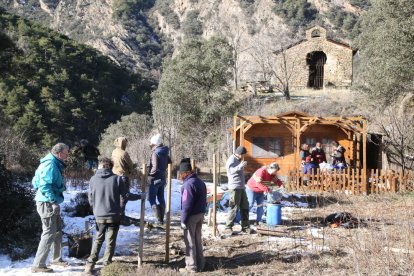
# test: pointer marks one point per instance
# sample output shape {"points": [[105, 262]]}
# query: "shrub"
{"points": [[20, 223], [79, 206], [192, 26]]}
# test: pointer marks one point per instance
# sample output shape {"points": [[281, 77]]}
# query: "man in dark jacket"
{"points": [[193, 208], [107, 194], [318, 154], [157, 177], [90, 153]]}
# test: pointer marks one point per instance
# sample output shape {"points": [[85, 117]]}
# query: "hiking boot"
{"points": [[42, 270], [248, 231], [161, 214], [59, 263], [89, 267]]}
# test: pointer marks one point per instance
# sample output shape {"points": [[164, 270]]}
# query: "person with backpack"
{"points": [[49, 184], [107, 197]]}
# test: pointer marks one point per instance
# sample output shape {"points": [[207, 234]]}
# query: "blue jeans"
{"points": [[259, 198], [156, 192]]}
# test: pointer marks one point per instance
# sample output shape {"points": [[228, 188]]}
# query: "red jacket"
{"points": [[261, 179]]}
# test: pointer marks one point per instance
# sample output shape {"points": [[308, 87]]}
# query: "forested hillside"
{"points": [[55, 89]]}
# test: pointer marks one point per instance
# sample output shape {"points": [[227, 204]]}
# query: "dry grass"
{"points": [[384, 245]]}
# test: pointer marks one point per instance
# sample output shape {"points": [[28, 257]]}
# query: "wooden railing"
{"points": [[350, 181]]}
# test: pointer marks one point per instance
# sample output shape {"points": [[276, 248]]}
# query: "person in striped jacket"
{"points": [[260, 183]]}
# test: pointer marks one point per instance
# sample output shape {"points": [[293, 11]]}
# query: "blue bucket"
{"points": [[274, 214]]}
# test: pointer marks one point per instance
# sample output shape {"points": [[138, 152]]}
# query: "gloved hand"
{"points": [[243, 164], [56, 209], [183, 226]]}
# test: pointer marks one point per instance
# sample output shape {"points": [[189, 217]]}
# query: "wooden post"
{"points": [[364, 157], [214, 195], [142, 216], [168, 216]]}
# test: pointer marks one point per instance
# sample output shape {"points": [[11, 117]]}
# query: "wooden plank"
{"points": [[142, 215], [168, 216], [401, 181]]}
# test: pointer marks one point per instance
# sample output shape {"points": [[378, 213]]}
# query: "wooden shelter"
{"points": [[278, 138]]}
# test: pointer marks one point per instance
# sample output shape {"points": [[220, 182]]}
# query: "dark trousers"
{"points": [[156, 192], [105, 232]]}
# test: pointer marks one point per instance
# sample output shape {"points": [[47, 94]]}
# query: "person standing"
{"points": [[304, 153], [157, 174], [90, 154], [260, 183], [123, 166], [49, 184], [107, 197], [193, 208], [237, 191], [318, 154]]}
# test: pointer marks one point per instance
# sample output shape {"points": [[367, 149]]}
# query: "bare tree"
{"points": [[396, 122], [274, 66]]}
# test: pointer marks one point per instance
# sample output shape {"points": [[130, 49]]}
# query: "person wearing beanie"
{"points": [[237, 191], [193, 208], [157, 174], [260, 183]]}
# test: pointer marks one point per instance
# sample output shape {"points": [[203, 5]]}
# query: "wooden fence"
{"points": [[351, 181]]}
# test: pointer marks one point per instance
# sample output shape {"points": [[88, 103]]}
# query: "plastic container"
{"points": [[274, 214]]}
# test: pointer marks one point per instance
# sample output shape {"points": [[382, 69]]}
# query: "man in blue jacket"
{"points": [[157, 175], [193, 208], [49, 185]]}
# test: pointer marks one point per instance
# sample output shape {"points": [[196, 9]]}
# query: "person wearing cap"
{"points": [[237, 191], [260, 183], [157, 175], [123, 166], [193, 208]]}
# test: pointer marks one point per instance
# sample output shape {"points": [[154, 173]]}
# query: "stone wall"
{"points": [[337, 69]]}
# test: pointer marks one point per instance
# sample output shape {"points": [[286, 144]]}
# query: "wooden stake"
{"points": [[214, 195], [193, 165], [142, 216], [168, 216]]}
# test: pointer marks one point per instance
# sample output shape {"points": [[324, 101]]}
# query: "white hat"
{"points": [[156, 139]]}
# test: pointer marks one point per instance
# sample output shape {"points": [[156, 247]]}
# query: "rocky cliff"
{"points": [[134, 33]]}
